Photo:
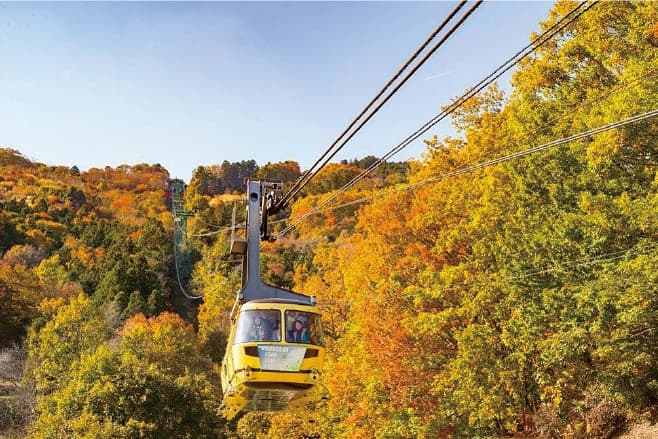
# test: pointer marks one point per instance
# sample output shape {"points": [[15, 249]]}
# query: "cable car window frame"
{"points": [[310, 321], [248, 329]]}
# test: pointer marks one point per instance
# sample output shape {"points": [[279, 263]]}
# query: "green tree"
{"points": [[153, 384], [136, 304], [76, 328]]}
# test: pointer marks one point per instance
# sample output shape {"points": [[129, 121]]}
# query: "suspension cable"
{"points": [[503, 68], [178, 279], [329, 154], [516, 155]]}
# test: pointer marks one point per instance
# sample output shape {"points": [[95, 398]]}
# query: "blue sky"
{"points": [[185, 84]]}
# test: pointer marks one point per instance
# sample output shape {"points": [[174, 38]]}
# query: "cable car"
{"points": [[275, 350]]}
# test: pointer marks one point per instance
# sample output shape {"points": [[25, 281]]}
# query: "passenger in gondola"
{"points": [[250, 335], [298, 334], [263, 327]]}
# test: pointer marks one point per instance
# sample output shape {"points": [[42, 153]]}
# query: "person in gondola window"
{"points": [[299, 333], [263, 327]]}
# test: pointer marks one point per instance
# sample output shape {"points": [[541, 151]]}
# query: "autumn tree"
{"points": [[154, 383], [285, 172]]}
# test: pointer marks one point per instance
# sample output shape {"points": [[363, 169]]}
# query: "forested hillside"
{"points": [[504, 284]]}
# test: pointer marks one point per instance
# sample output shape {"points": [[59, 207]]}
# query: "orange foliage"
{"points": [[652, 35], [139, 322], [124, 203], [88, 256]]}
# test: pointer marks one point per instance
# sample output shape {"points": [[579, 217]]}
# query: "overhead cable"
{"points": [[335, 146], [503, 68], [512, 280], [178, 279], [516, 155]]}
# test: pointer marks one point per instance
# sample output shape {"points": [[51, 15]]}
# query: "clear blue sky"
{"points": [[196, 83]]}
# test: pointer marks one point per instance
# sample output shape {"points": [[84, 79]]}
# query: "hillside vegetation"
{"points": [[463, 296]]}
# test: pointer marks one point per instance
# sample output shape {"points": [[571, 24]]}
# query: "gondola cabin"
{"points": [[274, 358], [275, 351]]}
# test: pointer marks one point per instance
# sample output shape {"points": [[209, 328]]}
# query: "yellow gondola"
{"points": [[275, 350]]}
